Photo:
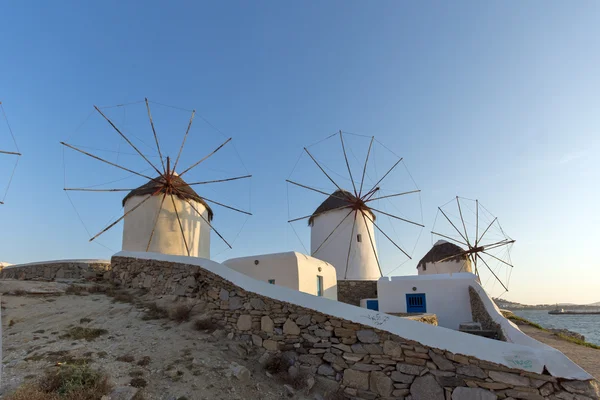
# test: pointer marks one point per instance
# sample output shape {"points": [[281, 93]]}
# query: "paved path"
{"points": [[586, 357]]}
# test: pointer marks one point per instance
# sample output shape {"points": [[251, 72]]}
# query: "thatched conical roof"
{"points": [[157, 186], [441, 250], [337, 199]]}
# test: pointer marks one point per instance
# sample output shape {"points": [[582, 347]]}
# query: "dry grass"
{"points": [[19, 292], [577, 341], [276, 364], [138, 382], [144, 361], [66, 382], [522, 321], [154, 312], [80, 332], [126, 358], [181, 313], [120, 296], [205, 324]]}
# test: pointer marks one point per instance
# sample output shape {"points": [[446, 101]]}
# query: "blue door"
{"points": [[373, 305], [415, 303]]}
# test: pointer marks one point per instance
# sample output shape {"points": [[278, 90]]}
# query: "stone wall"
{"points": [[352, 292], [77, 269], [481, 315], [366, 363]]}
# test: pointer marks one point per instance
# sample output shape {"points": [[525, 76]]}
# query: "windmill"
{"points": [[358, 205], [484, 244], [10, 157], [164, 214]]}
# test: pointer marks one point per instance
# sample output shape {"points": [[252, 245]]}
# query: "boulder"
{"points": [[290, 328], [266, 324], [240, 372], [244, 322], [380, 383]]}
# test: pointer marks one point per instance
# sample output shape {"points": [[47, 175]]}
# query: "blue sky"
{"points": [[495, 101]]}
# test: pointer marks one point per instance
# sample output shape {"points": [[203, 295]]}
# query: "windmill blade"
{"points": [[499, 259], [155, 136], [206, 157], [486, 229], [386, 174], [365, 167], [495, 276], [392, 195], [394, 216], [350, 244], [107, 162], [372, 244], [326, 174], [12, 153], [463, 222], [315, 190], [476, 222], [184, 139], [348, 164], [385, 234], [226, 206], [505, 242], [180, 226], [454, 226], [208, 223], [216, 181], [123, 216], [97, 190], [449, 238], [319, 213], [328, 236], [162, 202], [127, 140]]}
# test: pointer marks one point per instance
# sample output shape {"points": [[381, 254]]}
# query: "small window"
{"points": [[272, 281], [319, 286], [359, 238]]}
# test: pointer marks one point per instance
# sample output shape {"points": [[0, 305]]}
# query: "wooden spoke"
{"points": [[107, 162], [365, 167], [184, 139], [127, 140], [499, 259], [392, 195], [314, 190], [180, 226], [97, 190], [12, 153], [326, 174], [350, 243], [123, 216], [486, 229], [394, 216], [157, 215], [155, 136], [372, 244], [317, 214], [370, 194], [348, 164], [226, 206], [454, 226], [501, 243], [208, 223], [476, 222], [450, 238], [206, 157], [217, 180], [463, 221], [385, 234], [493, 273], [454, 256], [386, 174], [328, 236]]}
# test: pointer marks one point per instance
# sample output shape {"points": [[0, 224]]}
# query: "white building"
{"points": [[292, 270], [454, 260], [145, 224], [349, 250], [445, 295]]}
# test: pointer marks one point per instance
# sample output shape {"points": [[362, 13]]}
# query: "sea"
{"points": [[587, 325]]}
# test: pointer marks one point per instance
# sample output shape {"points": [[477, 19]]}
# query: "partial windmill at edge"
{"points": [[344, 226], [484, 246], [6, 153], [165, 214]]}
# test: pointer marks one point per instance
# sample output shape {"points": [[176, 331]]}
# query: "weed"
{"points": [[85, 320], [80, 332], [102, 354], [76, 290], [40, 331], [298, 381], [144, 361], [577, 341], [136, 373], [522, 321], [337, 395], [138, 382], [126, 358], [154, 312], [181, 313], [19, 292], [138, 396], [205, 324], [276, 364], [12, 322]]}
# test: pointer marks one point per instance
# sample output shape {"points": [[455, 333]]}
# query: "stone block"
{"points": [[508, 378], [356, 379], [380, 384], [442, 362], [367, 336], [271, 345], [408, 369], [392, 349], [471, 370], [244, 322], [290, 328], [464, 393], [399, 377], [266, 324], [426, 388]]}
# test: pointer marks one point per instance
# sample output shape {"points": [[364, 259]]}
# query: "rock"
{"points": [[494, 385], [244, 322], [402, 378], [450, 381], [289, 390], [426, 388], [373, 348], [325, 369], [303, 321], [257, 340], [238, 349], [415, 361], [310, 359], [343, 332], [240, 372], [266, 324], [367, 336], [264, 358], [392, 349], [400, 393], [380, 383], [408, 369], [257, 304], [473, 370], [122, 393], [586, 388], [271, 345], [224, 295], [523, 395], [464, 393], [322, 333], [547, 389], [442, 362], [509, 379], [366, 367], [290, 328], [310, 383], [356, 379], [235, 303]]}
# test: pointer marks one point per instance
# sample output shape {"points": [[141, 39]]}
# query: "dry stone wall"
{"points": [[364, 362], [352, 292], [481, 315], [68, 270]]}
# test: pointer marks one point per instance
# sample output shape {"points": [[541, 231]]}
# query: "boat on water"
{"points": [[572, 312]]}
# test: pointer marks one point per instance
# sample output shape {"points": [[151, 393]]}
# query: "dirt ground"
{"points": [[586, 357], [182, 362]]}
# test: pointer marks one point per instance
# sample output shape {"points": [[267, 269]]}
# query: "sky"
{"points": [[496, 101]]}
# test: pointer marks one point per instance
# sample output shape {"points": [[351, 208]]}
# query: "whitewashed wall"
{"points": [[167, 238], [362, 264], [446, 267], [291, 269], [447, 295]]}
